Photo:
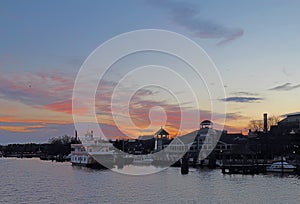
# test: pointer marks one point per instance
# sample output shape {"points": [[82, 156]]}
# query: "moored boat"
{"points": [[103, 152], [99, 150], [80, 157], [281, 167]]}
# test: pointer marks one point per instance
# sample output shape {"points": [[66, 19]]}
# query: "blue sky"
{"points": [[255, 45]]}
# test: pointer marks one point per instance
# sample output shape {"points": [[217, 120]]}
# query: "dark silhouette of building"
{"points": [[161, 139]]}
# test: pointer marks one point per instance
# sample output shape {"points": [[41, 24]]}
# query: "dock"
{"points": [[243, 168]]}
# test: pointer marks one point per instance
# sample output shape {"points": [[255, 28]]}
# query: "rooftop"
{"points": [[161, 131], [206, 122]]}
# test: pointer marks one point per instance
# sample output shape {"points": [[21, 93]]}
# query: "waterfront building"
{"points": [[285, 137], [161, 139], [177, 146], [290, 124]]}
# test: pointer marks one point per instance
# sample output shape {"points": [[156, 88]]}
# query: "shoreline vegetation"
{"points": [[57, 149]]}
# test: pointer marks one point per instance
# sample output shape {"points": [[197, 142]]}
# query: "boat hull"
{"points": [[281, 167], [82, 160], [104, 159], [280, 170]]}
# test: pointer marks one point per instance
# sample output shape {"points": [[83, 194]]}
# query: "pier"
{"points": [[243, 168]]}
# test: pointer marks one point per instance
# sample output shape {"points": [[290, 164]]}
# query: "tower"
{"points": [[265, 122], [161, 138], [206, 124]]}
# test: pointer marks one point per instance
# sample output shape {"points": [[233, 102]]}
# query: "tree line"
{"points": [[56, 146], [258, 125]]}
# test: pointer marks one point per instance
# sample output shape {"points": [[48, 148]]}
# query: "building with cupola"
{"points": [[162, 138]]}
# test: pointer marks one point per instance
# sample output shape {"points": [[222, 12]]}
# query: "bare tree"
{"points": [[273, 120], [256, 125]]}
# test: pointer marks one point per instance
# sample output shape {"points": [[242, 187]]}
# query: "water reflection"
{"points": [[35, 181]]}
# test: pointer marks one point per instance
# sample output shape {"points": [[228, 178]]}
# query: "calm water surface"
{"points": [[35, 181]]}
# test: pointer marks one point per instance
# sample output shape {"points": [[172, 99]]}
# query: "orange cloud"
{"points": [[45, 98], [60, 106], [31, 128], [17, 112], [36, 88], [42, 121]]}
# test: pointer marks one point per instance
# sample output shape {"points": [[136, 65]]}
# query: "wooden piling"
{"points": [[185, 164]]}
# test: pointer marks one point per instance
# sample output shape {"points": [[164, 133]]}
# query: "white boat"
{"points": [[281, 167], [80, 157], [93, 152], [104, 153]]}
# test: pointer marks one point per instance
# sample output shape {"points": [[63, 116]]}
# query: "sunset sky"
{"points": [[254, 44]]}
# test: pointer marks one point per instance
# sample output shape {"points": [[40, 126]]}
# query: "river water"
{"points": [[36, 181]]}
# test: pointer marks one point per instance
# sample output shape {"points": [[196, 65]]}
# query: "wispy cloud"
{"points": [[242, 99], [60, 106], [244, 93], [36, 88], [285, 87], [235, 116], [44, 107], [188, 16], [22, 129]]}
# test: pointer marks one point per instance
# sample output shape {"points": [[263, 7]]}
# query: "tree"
{"points": [[61, 145], [65, 139], [273, 120], [256, 125]]}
